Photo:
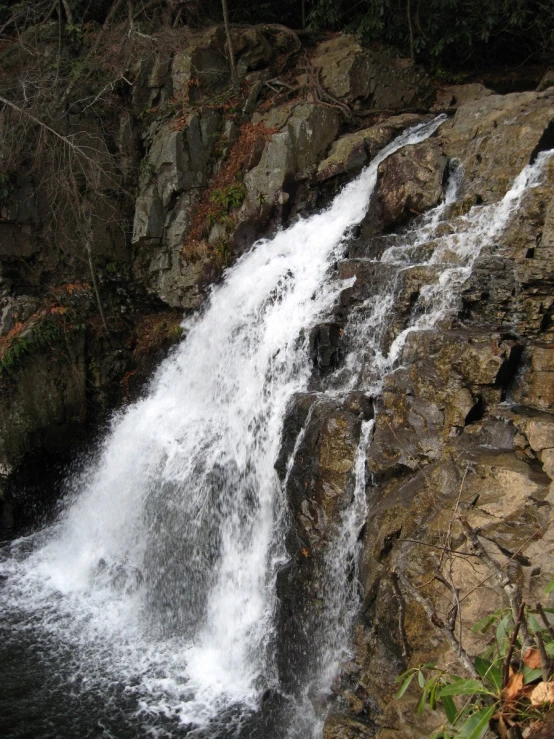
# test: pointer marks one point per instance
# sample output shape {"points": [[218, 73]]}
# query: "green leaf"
{"points": [[489, 672], [530, 675], [421, 679], [465, 687], [484, 623], [477, 724], [502, 628], [421, 703], [405, 685], [534, 625], [449, 708], [550, 587], [433, 697]]}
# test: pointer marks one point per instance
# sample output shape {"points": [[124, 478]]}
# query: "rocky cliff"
{"points": [[463, 427], [464, 421]]}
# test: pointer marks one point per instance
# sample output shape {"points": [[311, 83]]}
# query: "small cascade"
{"points": [[374, 336], [431, 260]]}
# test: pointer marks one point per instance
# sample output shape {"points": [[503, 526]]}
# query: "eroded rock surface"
{"points": [[463, 425]]}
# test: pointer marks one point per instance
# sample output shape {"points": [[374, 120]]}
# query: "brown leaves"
{"points": [[514, 688], [532, 659], [244, 153], [542, 693]]}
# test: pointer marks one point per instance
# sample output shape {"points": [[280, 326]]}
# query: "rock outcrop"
{"points": [[464, 426]]}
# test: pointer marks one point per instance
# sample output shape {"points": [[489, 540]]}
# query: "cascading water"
{"points": [[155, 588], [370, 355]]}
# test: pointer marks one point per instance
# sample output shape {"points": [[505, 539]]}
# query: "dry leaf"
{"points": [[542, 693], [532, 659], [514, 688]]}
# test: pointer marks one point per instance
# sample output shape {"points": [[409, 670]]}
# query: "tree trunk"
{"points": [[68, 12], [234, 76]]}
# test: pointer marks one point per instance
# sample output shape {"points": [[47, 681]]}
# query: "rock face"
{"points": [[191, 175], [367, 79], [463, 428]]}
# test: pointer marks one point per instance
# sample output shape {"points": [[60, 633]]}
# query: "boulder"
{"points": [[266, 181], [496, 136], [305, 132], [453, 96], [354, 150], [366, 79], [410, 182], [200, 68]]}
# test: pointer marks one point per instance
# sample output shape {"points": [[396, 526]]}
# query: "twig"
{"points": [[545, 662], [440, 549], [544, 527], [95, 45], [401, 615], [545, 620], [410, 27], [517, 625], [511, 589], [230, 50], [457, 648]]}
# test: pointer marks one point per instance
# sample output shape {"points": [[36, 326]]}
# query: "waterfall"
{"points": [[159, 574], [157, 582]]}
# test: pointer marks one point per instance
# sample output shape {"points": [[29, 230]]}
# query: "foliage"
{"points": [[229, 197], [157, 331], [225, 194], [515, 684], [448, 34], [47, 327]]}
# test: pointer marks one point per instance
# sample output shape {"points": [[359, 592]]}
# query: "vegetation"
{"points": [[446, 33], [513, 685], [49, 326], [225, 194]]}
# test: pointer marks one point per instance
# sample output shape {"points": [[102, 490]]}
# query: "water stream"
{"points": [[147, 608]]}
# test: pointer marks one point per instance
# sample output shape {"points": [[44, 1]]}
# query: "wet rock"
{"points": [[43, 409], [354, 150], [410, 182], [319, 484], [324, 346], [535, 385]]}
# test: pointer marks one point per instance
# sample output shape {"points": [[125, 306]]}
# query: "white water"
{"points": [[449, 250], [160, 572]]}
